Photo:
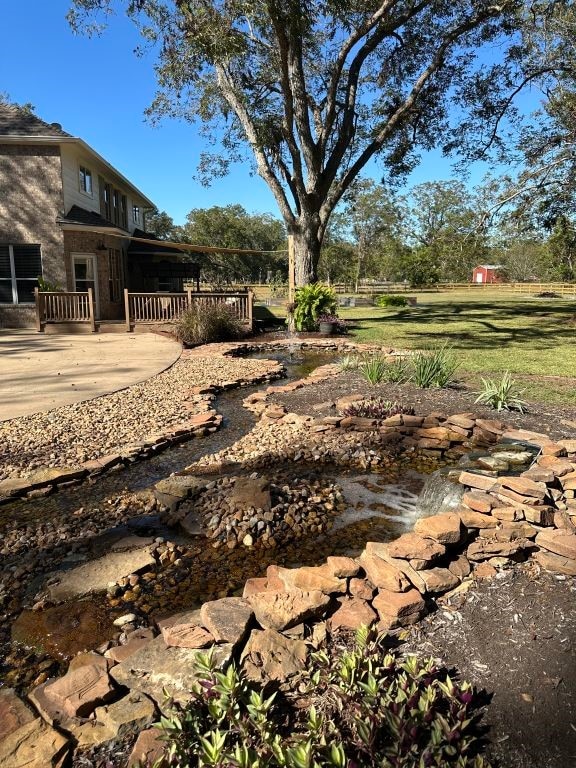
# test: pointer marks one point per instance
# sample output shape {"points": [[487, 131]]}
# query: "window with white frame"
{"points": [[85, 180], [136, 214], [20, 268]]}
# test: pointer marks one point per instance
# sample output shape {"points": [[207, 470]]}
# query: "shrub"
{"points": [[204, 323], [373, 369], [363, 707], [312, 301], [501, 395], [376, 408], [434, 367], [45, 286], [391, 300]]}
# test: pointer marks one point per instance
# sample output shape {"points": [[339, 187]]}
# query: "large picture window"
{"points": [[20, 267]]}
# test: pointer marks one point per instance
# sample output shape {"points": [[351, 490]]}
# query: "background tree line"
{"points": [[437, 231]]}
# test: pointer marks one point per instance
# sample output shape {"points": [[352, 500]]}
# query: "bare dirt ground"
{"points": [[513, 636]]}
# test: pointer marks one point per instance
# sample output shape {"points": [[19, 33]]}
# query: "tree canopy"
{"points": [[317, 89]]}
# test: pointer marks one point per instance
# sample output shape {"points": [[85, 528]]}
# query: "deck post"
{"points": [[249, 309], [127, 310], [91, 310], [38, 301]]}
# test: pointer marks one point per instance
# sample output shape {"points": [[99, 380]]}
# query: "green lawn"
{"points": [[493, 332]]}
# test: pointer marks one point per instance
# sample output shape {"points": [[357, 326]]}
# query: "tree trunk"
{"points": [[307, 246]]}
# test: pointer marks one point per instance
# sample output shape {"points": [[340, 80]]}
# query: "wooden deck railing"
{"points": [[64, 307], [165, 307]]}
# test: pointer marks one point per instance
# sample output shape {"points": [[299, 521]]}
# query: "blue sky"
{"points": [[98, 90]]}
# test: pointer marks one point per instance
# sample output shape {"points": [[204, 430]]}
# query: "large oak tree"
{"points": [[318, 89]]}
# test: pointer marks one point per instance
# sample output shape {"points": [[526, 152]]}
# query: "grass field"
{"points": [[535, 339]]}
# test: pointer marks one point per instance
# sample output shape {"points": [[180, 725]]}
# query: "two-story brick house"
{"points": [[66, 214]]}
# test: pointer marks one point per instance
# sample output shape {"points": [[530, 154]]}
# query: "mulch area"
{"points": [[513, 636]]}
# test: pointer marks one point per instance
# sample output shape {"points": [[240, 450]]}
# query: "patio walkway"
{"points": [[38, 372]]}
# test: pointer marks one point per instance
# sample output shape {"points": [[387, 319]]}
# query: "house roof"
{"points": [[18, 126], [489, 266], [77, 215], [15, 121]]}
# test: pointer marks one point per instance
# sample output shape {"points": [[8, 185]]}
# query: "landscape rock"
{"points": [[34, 745], [445, 528], [483, 549], [560, 542], [186, 636], [251, 492], [95, 576], [556, 563], [268, 655], [76, 694], [310, 578], [13, 712], [148, 749], [157, 668], [398, 608], [382, 574], [227, 619], [352, 614], [439, 579], [281, 610], [411, 546]]}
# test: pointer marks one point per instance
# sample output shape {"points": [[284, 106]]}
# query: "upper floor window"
{"points": [[136, 214], [20, 268], [85, 180]]}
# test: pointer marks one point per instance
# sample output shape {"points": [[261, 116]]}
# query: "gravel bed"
{"points": [[87, 430]]}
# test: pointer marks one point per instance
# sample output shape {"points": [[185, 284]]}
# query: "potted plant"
{"points": [[327, 324], [312, 301]]}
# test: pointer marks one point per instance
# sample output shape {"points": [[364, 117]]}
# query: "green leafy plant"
{"points": [[434, 367], [373, 369], [364, 707], [398, 371], [204, 323], [349, 362], [45, 286], [376, 408], [501, 395], [391, 300], [312, 301]]}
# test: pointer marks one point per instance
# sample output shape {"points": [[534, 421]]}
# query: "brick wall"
{"points": [[85, 242], [30, 201]]}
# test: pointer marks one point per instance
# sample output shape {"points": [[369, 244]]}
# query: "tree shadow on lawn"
{"points": [[487, 332]]}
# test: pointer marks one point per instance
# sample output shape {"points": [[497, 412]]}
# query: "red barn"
{"points": [[486, 273]]}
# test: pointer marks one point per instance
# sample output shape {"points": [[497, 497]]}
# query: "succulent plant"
{"points": [[376, 408]]}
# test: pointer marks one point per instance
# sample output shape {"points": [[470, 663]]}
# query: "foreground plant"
{"points": [[373, 369], [434, 367], [501, 395], [311, 301], [376, 408], [205, 323], [364, 707], [349, 363]]}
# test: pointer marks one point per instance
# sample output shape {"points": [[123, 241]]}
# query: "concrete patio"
{"points": [[38, 372]]}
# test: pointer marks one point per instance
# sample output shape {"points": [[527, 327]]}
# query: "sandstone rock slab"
{"points": [[186, 636], [382, 574], [96, 575], [156, 668], [13, 712], [227, 619], [445, 528], [148, 749], [268, 655], [411, 546], [439, 580], [281, 610], [34, 745], [560, 542], [556, 563], [352, 614], [76, 694]]}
